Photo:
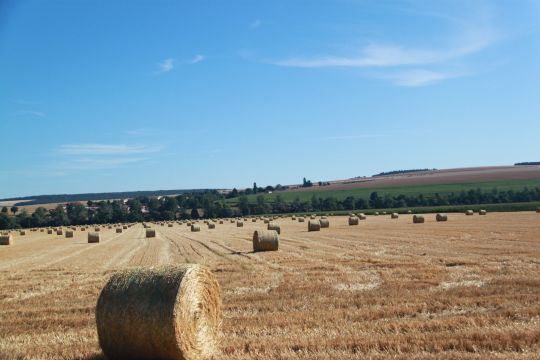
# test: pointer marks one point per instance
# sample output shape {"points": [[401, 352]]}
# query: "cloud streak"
{"points": [[166, 65], [32, 113], [197, 59], [106, 149]]}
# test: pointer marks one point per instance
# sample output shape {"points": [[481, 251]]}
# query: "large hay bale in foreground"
{"points": [[394, 216], [482, 212], [150, 233], [265, 240], [274, 226], [418, 219], [195, 228], [6, 239], [441, 217], [469, 212], [93, 237], [239, 224], [69, 233], [325, 223], [314, 225], [168, 313], [353, 220]]}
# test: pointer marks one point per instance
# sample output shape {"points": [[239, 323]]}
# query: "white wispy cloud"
{"points": [[32, 113], [197, 59], [410, 64], [106, 149], [166, 65], [413, 78], [382, 55], [255, 24]]}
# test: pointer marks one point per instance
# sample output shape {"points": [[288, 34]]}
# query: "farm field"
{"points": [[428, 190], [385, 289]]}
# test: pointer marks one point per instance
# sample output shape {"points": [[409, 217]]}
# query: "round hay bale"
{"points": [[384, 212], [325, 223], [394, 216], [170, 225], [150, 233], [195, 228], [353, 220], [69, 233], [409, 211], [293, 218], [93, 237], [60, 232], [253, 220], [266, 221], [314, 225], [324, 217], [211, 226], [124, 227], [97, 229], [376, 213], [274, 226], [239, 224], [312, 217], [22, 233], [221, 221], [118, 230], [232, 221], [482, 212], [83, 229], [441, 217], [265, 240], [418, 219], [168, 313], [469, 212], [49, 231], [362, 216], [6, 239], [538, 210], [301, 219], [189, 223]]}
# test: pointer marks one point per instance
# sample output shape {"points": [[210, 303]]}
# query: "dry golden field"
{"points": [[468, 288]]}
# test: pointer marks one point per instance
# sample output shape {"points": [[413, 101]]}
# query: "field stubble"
{"points": [[467, 288]]}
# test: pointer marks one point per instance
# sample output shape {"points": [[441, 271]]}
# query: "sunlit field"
{"points": [[467, 288]]}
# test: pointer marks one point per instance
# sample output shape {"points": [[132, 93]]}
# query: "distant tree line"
{"points": [[65, 198], [396, 172], [528, 163], [211, 204]]}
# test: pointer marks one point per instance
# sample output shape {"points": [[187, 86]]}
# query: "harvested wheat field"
{"points": [[467, 288]]}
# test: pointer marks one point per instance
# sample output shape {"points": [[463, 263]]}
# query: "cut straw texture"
{"points": [[167, 313]]}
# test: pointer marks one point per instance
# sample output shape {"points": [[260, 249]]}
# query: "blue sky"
{"points": [[140, 95]]}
